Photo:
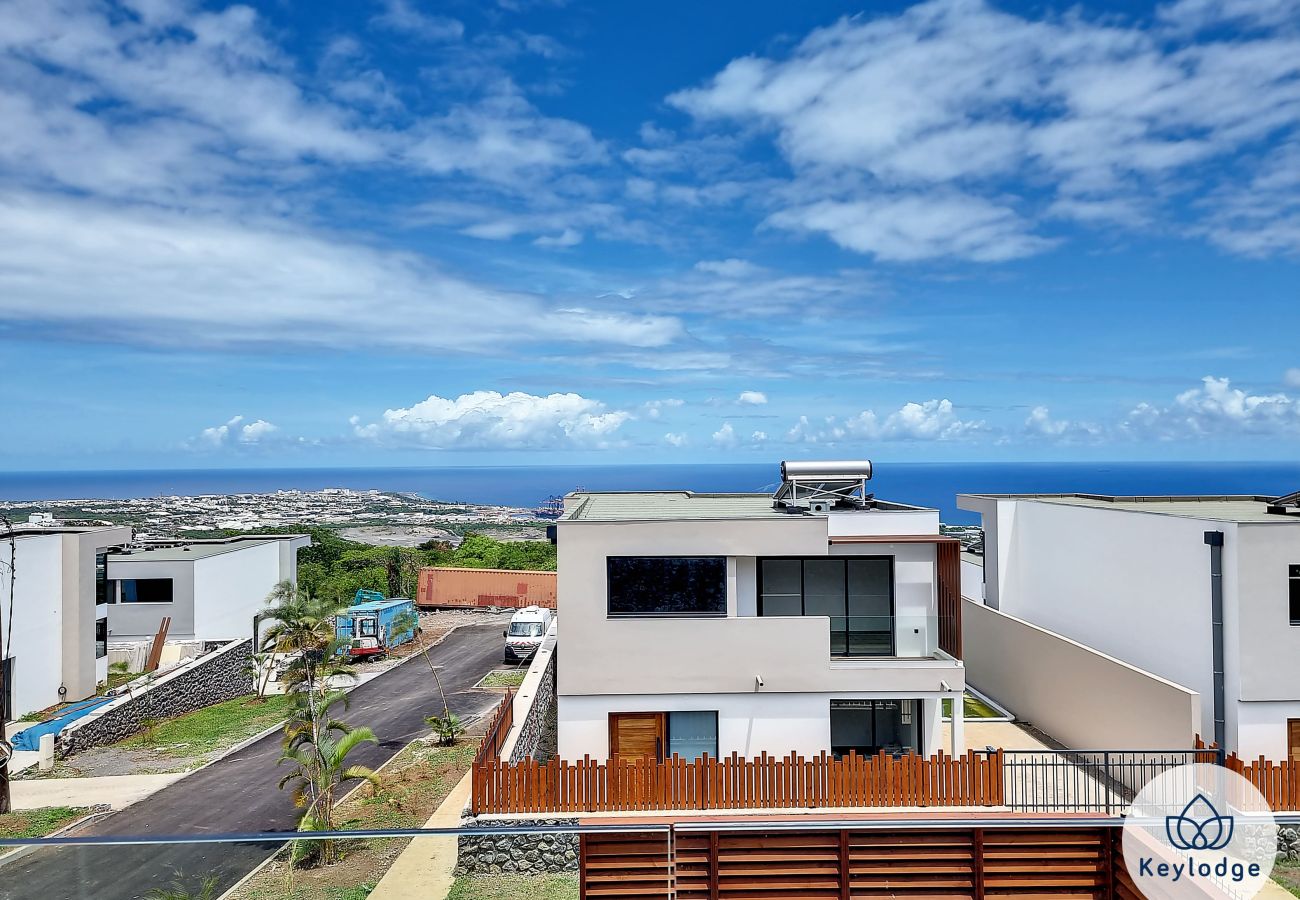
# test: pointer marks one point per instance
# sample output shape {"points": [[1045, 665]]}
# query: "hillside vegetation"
{"points": [[335, 568]]}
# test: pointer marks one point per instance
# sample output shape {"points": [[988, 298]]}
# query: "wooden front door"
{"points": [[1293, 740], [637, 735]]}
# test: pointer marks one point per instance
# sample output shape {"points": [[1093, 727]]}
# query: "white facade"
{"points": [[771, 679], [53, 644], [215, 587], [1130, 577]]}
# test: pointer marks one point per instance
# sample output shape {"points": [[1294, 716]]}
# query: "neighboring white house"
{"points": [[57, 648], [1135, 578], [211, 589], [818, 619]]}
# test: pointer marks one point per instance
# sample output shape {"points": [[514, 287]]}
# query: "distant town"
{"points": [[376, 517]]}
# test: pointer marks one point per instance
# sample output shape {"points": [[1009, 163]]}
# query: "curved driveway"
{"points": [[238, 793]]}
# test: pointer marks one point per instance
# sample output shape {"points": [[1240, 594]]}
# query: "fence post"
{"points": [[1105, 784]]}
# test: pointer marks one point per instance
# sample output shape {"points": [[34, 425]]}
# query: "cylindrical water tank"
{"points": [[830, 469]]}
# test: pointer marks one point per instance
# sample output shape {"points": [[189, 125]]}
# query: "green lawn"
{"points": [[212, 728], [515, 887], [30, 823], [972, 708], [504, 678]]}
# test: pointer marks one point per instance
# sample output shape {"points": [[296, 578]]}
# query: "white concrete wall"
{"points": [[1083, 698], [1268, 645], [230, 588], [972, 580], [1261, 728], [138, 621], [748, 724], [851, 523], [1132, 585], [37, 643]]}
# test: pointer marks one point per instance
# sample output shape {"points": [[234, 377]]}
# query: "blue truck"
{"points": [[372, 625]]}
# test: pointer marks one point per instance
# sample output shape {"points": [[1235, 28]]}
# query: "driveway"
{"points": [[238, 793]]}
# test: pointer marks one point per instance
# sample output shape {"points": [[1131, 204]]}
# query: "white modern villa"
{"points": [[211, 589], [56, 644], [818, 619], [1203, 591]]}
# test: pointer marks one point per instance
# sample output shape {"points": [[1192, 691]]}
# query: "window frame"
{"points": [[610, 613], [1293, 592], [668, 732], [122, 595], [893, 594]]}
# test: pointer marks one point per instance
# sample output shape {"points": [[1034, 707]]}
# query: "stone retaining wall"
{"points": [[540, 713], [517, 854], [215, 677]]}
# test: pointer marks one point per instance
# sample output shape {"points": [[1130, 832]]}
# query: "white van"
{"points": [[527, 628]]}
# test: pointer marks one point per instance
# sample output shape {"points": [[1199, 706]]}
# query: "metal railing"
{"points": [[1094, 781]]}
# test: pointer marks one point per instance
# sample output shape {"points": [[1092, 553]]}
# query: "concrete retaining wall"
{"points": [[220, 675], [517, 854], [1083, 698]]}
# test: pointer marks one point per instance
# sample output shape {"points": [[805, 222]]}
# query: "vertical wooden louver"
{"points": [[949, 571]]}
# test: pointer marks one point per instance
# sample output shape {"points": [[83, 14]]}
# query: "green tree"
{"points": [[315, 742]]}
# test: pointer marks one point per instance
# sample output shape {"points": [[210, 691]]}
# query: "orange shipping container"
{"points": [[441, 586]]}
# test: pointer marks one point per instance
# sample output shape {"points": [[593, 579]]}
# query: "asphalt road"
{"points": [[238, 793]]}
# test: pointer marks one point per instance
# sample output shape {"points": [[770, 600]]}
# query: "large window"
{"points": [[101, 638], [855, 593], [692, 734], [103, 586], [1294, 585], [146, 590], [869, 726], [667, 585]]}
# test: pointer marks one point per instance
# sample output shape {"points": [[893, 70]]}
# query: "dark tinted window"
{"points": [[146, 590], [667, 585], [1295, 594]]}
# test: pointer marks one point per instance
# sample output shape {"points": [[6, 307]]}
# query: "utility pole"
{"points": [[6, 629]]}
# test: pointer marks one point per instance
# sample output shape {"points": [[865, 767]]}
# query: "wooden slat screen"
{"points": [[949, 589], [1278, 782], [832, 864], [792, 782]]}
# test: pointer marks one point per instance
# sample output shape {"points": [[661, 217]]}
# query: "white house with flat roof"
{"points": [[818, 619], [211, 589], [1203, 591], [56, 642]]}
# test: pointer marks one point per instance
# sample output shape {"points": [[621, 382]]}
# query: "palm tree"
{"points": [[318, 745]]}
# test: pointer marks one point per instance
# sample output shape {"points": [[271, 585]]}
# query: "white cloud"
{"points": [[232, 432], [1215, 408], [931, 420], [1040, 424], [729, 268], [751, 398], [492, 421], [953, 129], [153, 277], [725, 436], [653, 409], [675, 439], [403, 16], [918, 226], [758, 437]]}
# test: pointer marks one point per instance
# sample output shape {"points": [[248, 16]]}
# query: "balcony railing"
{"points": [[889, 636]]}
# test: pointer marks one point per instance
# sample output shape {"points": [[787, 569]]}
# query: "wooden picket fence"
{"points": [[498, 727], [791, 782], [1278, 782]]}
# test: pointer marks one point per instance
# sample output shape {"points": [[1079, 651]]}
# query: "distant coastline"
{"points": [[926, 484]]}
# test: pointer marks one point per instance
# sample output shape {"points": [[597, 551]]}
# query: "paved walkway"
{"points": [[423, 870], [1007, 735], [115, 791]]}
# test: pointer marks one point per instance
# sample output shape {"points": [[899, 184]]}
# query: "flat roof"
{"points": [[184, 552], [1240, 508], [618, 506]]}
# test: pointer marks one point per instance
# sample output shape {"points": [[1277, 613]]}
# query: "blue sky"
{"points": [[404, 232]]}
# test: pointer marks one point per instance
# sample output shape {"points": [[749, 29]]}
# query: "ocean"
{"points": [[923, 484]]}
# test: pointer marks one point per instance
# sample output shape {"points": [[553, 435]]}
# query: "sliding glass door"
{"points": [[870, 726], [855, 593]]}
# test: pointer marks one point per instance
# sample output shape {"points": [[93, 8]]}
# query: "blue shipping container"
{"points": [[373, 628]]}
